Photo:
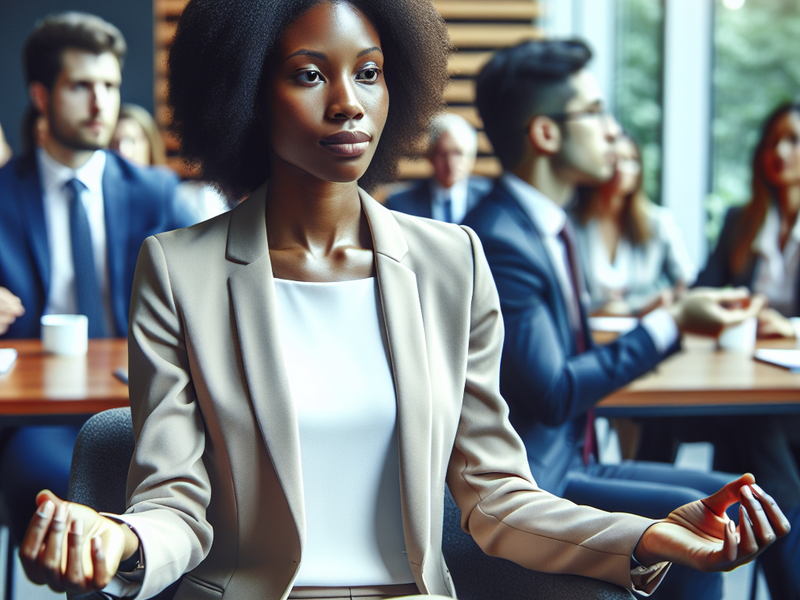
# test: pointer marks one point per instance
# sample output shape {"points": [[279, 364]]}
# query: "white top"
{"points": [[776, 269], [548, 218], [458, 200], [342, 386], [61, 298], [638, 271]]}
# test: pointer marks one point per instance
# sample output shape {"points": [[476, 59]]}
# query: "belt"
{"points": [[362, 592]]}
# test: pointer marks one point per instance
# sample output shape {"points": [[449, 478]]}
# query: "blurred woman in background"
{"points": [[138, 139], [759, 246], [635, 259]]}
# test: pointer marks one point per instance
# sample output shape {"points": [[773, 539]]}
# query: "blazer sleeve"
{"points": [[540, 376], [488, 474], [168, 486]]}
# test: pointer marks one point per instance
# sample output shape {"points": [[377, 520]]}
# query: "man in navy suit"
{"points": [[543, 112], [72, 218], [451, 192]]}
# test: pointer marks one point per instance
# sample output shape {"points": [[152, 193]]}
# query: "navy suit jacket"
{"points": [[418, 199], [137, 202], [549, 386], [718, 272]]}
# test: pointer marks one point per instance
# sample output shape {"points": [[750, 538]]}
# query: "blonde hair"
{"points": [[134, 112]]}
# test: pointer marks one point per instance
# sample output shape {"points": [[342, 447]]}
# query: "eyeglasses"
{"points": [[594, 112]]}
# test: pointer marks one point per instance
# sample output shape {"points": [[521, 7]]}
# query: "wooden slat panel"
{"points": [[164, 32], [496, 10], [487, 166], [491, 36], [460, 91], [169, 8], [470, 113], [468, 63]]}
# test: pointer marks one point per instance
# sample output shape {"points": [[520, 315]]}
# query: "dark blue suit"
{"points": [[418, 199], [550, 387], [137, 203]]}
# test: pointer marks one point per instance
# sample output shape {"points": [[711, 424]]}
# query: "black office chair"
{"points": [[99, 471], [98, 479]]}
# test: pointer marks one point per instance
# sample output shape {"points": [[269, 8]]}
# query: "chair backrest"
{"points": [[478, 576], [100, 461], [99, 473]]}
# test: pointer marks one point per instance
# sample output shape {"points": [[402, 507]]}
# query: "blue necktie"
{"points": [[447, 209], [87, 287]]}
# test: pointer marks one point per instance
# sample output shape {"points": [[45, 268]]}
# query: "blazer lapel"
{"points": [[30, 195], [254, 301], [402, 314]]}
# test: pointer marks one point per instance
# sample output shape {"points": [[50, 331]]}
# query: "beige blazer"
{"points": [[215, 487]]}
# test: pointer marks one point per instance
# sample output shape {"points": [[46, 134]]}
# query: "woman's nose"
{"points": [[344, 102]]}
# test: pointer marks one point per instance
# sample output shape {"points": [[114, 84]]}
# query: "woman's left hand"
{"points": [[700, 534]]}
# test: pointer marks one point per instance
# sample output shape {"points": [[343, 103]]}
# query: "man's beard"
{"points": [[73, 142]]}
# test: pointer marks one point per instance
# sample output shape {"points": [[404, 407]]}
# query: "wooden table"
{"points": [[701, 380], [48, 388]]}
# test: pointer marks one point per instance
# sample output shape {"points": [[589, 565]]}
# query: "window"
{"points": [[756, 68], [638, 82]]}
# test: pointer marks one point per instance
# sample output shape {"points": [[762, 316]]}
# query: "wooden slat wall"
{"points": [[477, 28]]}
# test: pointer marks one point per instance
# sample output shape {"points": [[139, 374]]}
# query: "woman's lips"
{"points": [[347, 143]]}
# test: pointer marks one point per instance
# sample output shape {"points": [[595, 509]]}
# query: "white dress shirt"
{"points": [[458, 200], [776, 270], [638, 271], [61, 298], [548, 218]]}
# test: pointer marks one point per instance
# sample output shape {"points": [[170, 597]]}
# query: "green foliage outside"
{"points": [[638, 96], [757, 66]]}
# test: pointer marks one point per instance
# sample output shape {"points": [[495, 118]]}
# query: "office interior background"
{"points": [[691, 80]]}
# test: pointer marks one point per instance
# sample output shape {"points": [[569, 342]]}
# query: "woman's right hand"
{"points": [[72, 548]]}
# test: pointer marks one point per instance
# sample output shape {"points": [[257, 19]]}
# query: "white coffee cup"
{"points": [[739, 338], [65, 334]]}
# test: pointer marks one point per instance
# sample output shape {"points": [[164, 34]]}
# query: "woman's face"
{"points": [[131, 142], [626, 175], [781, 158], [326, 100]]}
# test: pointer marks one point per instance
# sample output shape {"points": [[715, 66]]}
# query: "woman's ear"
{"points": [[544, 135]]}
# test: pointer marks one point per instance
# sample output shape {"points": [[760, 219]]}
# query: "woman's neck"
{"points": [[317, 230]]}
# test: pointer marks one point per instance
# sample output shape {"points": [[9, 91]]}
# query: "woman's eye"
{"points": [[310, 77], [369, 75]]}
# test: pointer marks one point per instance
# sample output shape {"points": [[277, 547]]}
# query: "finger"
{"points": [[780, 524], [729, 295], [101, 574], [748, 545], [73, 576], [51, 560], [719, 502], [33, 541], [730, 543], [761, 526]]}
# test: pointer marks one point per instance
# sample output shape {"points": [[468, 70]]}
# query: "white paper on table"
{"points": [[788, 359], [7, 358]]}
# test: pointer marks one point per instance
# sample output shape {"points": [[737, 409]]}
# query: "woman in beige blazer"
{"points": [[215, 488]]}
